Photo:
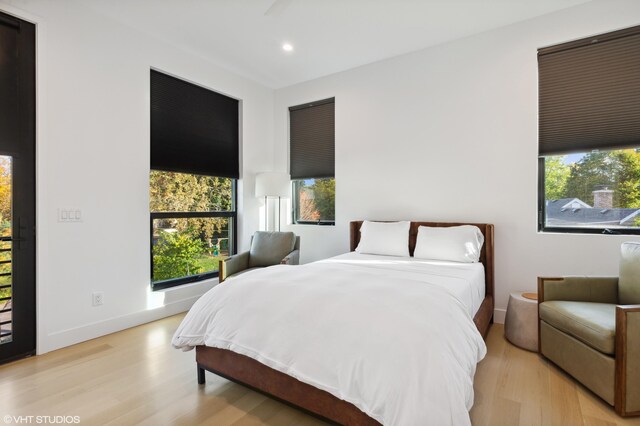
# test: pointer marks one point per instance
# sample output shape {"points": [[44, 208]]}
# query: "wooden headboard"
{"points": [[486, 255]]}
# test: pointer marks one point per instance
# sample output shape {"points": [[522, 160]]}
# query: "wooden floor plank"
{"points": [[135, 377], [507, 412]]}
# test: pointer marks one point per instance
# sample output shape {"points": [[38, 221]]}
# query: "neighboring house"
{"points": [[572, 212]]}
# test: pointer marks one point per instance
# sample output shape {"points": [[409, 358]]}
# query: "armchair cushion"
{"points": [[629, 281], [592, 323], [269, 248]]}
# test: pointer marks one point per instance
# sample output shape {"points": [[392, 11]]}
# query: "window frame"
{"points": [[233, 239], [542, 214], [295, 209]]}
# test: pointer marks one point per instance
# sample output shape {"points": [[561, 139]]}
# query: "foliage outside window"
{"points": [[314, 201], [595, 191], [192, 226]]}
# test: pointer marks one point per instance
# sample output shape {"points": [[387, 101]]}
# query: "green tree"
{"points": [[188, 246], [590, 173], [556, 175], [324, 191], [5, 196], [616, 170], [180, 192], [186, 192], [627, 188], [177, 255]]}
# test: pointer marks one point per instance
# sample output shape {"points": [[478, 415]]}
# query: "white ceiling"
{"points": [[328, 36]]}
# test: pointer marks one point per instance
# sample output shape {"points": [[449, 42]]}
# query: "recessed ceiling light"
{"points": [[287, 47]]}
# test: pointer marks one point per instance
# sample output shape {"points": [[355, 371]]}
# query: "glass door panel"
{"points": [[6, 329]]}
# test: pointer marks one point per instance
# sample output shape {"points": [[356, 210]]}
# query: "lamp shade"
{"points": [[272, 184]]}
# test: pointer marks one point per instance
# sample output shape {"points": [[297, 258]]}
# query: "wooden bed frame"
{"points": [[255, 375]]}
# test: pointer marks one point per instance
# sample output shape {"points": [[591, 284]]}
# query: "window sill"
{"points": [[183, 282], [315, 223], [578, 231], [179, 287]]}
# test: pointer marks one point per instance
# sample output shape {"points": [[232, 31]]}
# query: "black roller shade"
{"points": [[589, 93], [312, 140], [193, 129], [9, 95]]}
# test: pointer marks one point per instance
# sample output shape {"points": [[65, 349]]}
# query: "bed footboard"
{"points": [[257, 376]]}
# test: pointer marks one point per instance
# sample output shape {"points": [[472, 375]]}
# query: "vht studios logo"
{"points": [[43, 420]]}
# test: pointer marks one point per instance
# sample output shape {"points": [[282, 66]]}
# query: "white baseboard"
{"points": [[71, 336], [498, 315]]}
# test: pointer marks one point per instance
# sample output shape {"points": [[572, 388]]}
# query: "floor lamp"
{"points": [[272, 184]]}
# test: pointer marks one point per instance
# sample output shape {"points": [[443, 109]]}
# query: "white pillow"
{"points": [[386, 238], [454, 243]]}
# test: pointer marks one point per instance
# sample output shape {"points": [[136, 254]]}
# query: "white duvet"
{"points": [[391, 339]]}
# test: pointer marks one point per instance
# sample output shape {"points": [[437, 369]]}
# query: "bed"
{"points": [[316, 393]]}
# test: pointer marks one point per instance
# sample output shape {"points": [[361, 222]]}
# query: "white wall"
{"points": [[450, 134], [93, 154]]}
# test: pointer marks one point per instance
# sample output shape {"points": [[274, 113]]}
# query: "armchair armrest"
{"points": [[627, 381], [578, 289], [292, 258], [232, 265]]}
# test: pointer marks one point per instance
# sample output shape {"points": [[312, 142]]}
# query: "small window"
{"points": [[592, 192], [314, 201], [312, 162], [589, 133]]}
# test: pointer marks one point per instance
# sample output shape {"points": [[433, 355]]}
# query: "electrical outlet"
{"points": [[98, 298]]}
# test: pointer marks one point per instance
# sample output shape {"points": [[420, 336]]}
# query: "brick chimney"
{"points": [[603, 199]]}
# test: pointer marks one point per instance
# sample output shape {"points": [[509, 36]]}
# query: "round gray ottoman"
{"points": [[521, 322]]}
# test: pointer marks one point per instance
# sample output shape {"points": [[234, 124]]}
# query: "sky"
{"points": [[573, 158]]}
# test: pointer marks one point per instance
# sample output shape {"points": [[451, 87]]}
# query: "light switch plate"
{"points": [[69, 215]]}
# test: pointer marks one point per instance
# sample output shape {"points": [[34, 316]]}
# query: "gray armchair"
{"points": [[267, 249], [590, 327]]}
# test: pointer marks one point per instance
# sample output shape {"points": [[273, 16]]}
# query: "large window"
{"points": [[312, 162], [194, 168], [589, 134]]}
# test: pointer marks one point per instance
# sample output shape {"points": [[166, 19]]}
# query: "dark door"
{"points": [[17, 189]]}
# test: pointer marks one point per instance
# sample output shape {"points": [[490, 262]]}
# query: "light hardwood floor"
{"points": [[135, 377], [518, 387]]}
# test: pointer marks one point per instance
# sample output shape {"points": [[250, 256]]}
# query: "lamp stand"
{"points": [[266, 207], [279, 213], [266, 213]]}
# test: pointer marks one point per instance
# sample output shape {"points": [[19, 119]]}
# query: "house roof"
{"points": [[571, 202], [559, 213]]}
